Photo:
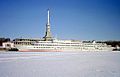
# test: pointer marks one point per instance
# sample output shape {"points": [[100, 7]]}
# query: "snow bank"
{"points": [[59, 64]]}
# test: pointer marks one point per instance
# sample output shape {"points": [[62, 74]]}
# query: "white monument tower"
{"points": [[48, 32]]}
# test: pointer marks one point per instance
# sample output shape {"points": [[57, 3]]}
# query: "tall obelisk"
{"points": [[48, 32]]}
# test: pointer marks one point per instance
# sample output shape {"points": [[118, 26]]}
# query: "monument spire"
{"points": [[48, 32], [48, 23]]}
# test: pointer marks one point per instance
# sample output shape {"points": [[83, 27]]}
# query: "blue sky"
{"points": [[70, 19]]}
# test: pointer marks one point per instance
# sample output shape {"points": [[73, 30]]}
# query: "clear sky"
{"points": [[70, 19]]}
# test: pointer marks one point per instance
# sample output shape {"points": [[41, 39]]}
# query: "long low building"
{"points": [[48, 43]]}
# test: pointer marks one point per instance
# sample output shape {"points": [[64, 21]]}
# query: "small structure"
{"points": [[8, 45], [117, 48]]}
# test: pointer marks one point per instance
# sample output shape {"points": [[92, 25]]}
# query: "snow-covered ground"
{"points": [[59, 64]]}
